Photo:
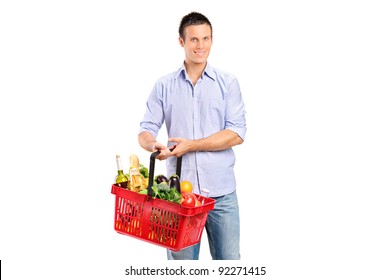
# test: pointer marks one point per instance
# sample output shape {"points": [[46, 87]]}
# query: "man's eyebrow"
{"points": [[206, 36]]}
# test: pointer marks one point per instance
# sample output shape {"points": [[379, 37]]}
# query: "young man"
{"points": [[204, 114]]}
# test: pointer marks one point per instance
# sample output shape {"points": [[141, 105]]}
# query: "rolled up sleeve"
{"points": [[235, 110]]}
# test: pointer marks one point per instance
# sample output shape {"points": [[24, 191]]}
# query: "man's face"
{"points": [[197, 43]]}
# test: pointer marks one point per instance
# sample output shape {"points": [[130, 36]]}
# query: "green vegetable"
{"points": [[144, 171], [163, 191], [143, 191]]}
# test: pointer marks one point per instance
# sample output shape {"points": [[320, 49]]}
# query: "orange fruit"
{"points": [[185, 186]]}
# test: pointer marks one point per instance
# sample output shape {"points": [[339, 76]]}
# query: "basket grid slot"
{"points": [[163, 226], [128, 216]]}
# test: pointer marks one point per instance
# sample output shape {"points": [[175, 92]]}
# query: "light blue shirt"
{"points": [[193, 112]]}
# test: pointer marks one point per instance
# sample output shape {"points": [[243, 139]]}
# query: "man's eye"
{"points": [[193, 40]]}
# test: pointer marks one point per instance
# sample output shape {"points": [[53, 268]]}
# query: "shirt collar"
{"points": [[209, 71]]}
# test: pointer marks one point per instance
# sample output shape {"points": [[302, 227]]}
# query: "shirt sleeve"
{"points": [[154, 116], [235, 110]]}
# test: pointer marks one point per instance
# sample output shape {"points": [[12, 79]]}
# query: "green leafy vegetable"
{"points": [[163, 191], [144, 171], [143, 191]]}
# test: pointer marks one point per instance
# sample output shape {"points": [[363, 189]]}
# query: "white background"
{"points": [[312, 174]]}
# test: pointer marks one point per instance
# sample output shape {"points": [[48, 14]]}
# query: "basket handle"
{"points": [[153, 157]]}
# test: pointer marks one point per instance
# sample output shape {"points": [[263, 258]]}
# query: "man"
{"points": [[204, 114]]}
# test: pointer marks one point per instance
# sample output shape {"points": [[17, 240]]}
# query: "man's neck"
{"points": [[194, 71]]}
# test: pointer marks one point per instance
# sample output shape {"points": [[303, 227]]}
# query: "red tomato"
{"points": [[189, 199]]}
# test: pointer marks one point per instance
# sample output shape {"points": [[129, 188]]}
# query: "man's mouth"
{"points": [[200, 52]]}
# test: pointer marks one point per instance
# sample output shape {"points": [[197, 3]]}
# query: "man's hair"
{"points": [[193, 18]]}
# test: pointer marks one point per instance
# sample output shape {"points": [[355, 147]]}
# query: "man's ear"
{"points": [[181, 41]]}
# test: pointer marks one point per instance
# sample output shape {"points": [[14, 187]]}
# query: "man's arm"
{"points": [[149, 143], [219, 141]]}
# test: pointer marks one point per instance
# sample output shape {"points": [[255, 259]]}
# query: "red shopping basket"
{"points": [[158, 221]]}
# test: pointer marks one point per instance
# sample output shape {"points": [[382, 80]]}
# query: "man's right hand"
{"points": [[164, 151]]}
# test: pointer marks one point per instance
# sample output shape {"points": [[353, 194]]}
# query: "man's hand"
{"points": [[182, 146], [164, 151], [149, 143]]}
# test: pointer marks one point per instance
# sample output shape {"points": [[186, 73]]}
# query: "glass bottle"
{"points": [[120, 179]]}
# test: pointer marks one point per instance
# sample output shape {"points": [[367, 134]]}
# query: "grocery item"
{"points": [[121, 180], [174, 182], [137, 182], [185, 186], [189, 199], [161, 178]]}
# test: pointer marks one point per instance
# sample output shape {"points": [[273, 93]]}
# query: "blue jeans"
{"points": [[223, 232]]}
